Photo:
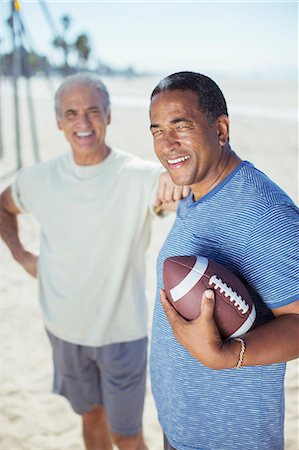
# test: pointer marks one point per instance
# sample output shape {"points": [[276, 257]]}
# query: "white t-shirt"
{"points": [[95, 228]]}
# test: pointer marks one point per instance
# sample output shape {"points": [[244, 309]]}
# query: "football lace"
{"points": [[233, 297]]}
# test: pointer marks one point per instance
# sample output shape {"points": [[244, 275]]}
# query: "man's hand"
{"points": [[201, 336], [168, 194]]}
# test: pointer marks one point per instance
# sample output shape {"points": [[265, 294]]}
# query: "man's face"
{"points": [[186, 144], [83, 120]]}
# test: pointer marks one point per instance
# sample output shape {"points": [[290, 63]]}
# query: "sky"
{"points": [[236, 37]]}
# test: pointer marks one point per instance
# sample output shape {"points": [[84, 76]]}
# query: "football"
{"points": [[187, 277]]}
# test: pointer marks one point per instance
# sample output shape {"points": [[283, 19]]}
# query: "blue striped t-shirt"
{"points": [[250, 225]]}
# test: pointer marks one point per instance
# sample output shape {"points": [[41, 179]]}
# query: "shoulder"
{"points": [[262, 189], [271, 213], [43, 167], [271, 203], [251, 197], [135, 166], [29, 180]]}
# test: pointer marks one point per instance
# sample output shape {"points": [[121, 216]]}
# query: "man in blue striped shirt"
{"points": [[237, 216]]}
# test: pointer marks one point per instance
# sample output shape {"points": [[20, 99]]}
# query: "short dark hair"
{"points": [[210, 99]]}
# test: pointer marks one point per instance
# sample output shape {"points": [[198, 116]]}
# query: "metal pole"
{"points": [[32, 121], [1, 128], [15, 79], [27, 74]]}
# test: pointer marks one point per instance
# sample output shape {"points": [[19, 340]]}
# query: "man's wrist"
{"points": [[242, 352], [234, 355]]}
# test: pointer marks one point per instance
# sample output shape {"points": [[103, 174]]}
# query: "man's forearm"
{"points": [[274, 342], [9, 232]]}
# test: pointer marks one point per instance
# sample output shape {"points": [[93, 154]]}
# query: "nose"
{"points": [[170, 141], [84, 119]]}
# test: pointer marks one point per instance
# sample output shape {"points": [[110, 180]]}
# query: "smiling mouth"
{"points": [[178, 160], [84, 134]]}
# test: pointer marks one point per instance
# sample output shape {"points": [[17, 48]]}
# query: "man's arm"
{"points": [[9, 232], [169, 194], [271, 343]]}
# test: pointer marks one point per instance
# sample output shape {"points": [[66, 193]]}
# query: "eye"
{"points": [[156, 133], [94, 112], [70, 114], [183, 127]]}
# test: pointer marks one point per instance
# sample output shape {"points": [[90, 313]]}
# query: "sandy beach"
{"points": [[263, 130]]}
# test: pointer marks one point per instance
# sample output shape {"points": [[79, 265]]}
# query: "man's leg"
{"points": [[123, 376], [96, 432], [97, 436], [134, 442], [77, 378]]}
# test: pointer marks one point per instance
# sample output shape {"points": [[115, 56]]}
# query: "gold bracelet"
{"points": [[242, 351]]}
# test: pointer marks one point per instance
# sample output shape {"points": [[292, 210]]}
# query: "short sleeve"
{"points": [[271, 262], [17, 187], [151, 172], [26, 189]]}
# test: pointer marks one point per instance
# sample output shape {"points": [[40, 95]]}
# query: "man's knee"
{"points": [[134, 442], [96, 431], [95, 418]]}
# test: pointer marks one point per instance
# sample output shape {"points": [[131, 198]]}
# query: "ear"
{"points": [[58, 121], [109, 117], [222, 125]]}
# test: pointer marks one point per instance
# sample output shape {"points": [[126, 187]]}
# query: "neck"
{"points": [[91, 159], [228, 162]]}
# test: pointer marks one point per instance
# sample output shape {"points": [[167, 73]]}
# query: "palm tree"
{"points": [[61, 42], [66, 21], [82, 46]]}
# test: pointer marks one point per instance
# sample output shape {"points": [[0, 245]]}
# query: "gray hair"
{"points": [[85, 79]]}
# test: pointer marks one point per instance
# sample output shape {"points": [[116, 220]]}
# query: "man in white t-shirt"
{"points": [[94, 206]]}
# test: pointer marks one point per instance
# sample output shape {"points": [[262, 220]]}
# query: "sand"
{"points": [[263, 130]]}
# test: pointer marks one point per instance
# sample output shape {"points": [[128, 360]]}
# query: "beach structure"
{"points": [[23, 62]]}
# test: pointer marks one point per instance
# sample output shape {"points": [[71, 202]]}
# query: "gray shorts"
{"points": [[112, 376]]}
